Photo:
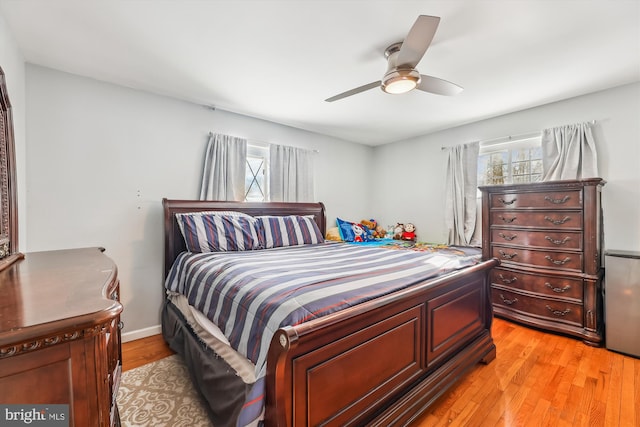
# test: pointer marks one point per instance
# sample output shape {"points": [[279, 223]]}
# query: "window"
{"points": [[511, 162], [255, 178]]}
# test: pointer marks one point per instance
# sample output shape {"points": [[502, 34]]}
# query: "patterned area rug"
{"points": [[160, 394]]}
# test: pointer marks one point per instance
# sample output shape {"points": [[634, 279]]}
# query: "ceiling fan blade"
{"points": [[354, 91], [438, 86], [417, 41]]}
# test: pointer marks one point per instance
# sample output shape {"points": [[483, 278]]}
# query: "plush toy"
{"points": [[409, 232], [377, 231], [334, 234], [369, 223], [390, 230], [398, 229]]}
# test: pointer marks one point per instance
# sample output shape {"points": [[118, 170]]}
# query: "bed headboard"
{"points": [[174, 243]]}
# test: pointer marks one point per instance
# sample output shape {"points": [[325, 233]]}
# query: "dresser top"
{"points": [[56, 291], [545, 185]]}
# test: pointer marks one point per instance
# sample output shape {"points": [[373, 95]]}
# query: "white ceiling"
{"points": [[279, 60]]}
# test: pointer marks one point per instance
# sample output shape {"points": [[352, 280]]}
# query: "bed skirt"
{"points": [[216, 381]]}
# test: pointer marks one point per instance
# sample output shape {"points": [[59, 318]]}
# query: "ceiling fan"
{"points": [[402, 58]]}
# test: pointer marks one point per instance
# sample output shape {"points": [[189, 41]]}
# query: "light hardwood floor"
{"points": [[537, 379], [146, 350]]}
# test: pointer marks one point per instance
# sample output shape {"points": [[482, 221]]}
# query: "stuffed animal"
{"points": [[377, 231], [369, 223], [409, 232], [390, 230], [398, 229], [334, 234]]}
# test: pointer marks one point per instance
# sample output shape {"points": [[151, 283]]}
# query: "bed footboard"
{"points": [[385, 361]]}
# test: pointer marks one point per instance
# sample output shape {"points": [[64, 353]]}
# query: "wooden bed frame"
{"points": [[383, 362]]}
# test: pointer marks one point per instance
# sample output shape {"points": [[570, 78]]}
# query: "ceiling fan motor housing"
{"points": [[398, 79]]}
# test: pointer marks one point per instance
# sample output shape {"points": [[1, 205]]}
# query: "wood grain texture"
{"points": [[542, 379], [146, 350], [537, 379]]}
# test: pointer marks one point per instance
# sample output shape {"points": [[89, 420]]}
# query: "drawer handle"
{"points": [[558, 312], [508, 301], [505, 280], [557, 261], [508, 220], [557, 221], [506, 255], [557, 290], [507, 202], [120, 325], [558, 242], [557, 201], [509, 238]]}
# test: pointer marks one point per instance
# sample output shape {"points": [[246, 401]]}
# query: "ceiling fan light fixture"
{"points": [[400, 81]]}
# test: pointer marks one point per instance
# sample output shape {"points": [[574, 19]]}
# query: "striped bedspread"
{"points": [[251, 294]]}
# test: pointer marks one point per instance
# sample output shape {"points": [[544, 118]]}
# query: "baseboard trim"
{"points": [[141, 333]]}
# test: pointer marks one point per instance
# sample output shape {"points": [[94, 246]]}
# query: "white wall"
{"points": [[101, 157], [412, 188], [12, 64]]}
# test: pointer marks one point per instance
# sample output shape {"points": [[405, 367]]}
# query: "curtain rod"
{"points": [[510, 137], [268, 143]]}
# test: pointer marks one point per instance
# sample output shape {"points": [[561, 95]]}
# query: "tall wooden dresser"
{"points": [[548, 239], [60, 334]]}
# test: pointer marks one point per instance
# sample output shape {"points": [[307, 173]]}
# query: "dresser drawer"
{"points": [[544, 239], [549, 286], [571, 261], [537, 219], [545, 200], [556, 310]]}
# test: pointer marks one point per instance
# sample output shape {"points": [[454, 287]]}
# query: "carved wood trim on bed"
{"points": [[382, 362]]}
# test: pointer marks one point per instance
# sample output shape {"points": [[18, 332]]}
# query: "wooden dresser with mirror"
{"points": [[59, 315]]}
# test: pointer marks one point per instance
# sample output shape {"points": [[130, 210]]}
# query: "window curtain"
{"points": [[290, 174], [461, 192], [224, 168], [569, 152]]}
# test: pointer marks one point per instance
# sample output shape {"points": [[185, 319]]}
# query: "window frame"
{"points": [[510, 146], [257, 151]]}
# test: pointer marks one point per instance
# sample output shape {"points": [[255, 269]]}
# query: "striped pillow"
{"points": [[219, 231], [292, 230]]}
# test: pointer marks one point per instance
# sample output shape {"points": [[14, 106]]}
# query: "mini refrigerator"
{"points": [[622, 301]]}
